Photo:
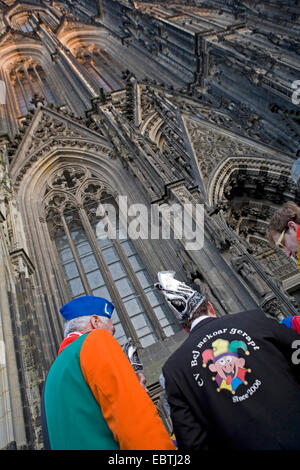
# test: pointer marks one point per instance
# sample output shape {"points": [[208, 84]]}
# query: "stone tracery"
{"points": [[70, 204]]}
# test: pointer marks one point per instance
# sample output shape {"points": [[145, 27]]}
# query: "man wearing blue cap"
{"points": [[92, 398]]}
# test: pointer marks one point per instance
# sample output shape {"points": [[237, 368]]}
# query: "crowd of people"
{"points": [[234, 383]]}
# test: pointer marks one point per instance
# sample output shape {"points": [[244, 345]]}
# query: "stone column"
{"points": [[12, 424]]}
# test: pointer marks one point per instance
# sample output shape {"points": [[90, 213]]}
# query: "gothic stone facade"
{"points": [[161, 102]]}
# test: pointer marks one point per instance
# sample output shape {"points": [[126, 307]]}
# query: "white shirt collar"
{"points": [[74, 333], [198, 320]]}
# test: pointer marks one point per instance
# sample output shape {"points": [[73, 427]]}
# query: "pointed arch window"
{"points": [[100, 265], [103, 70], [28, 79], [21, 22], [26, 27], [21, 98]]}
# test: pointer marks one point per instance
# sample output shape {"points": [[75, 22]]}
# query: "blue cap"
{"points": [[87, 305]]}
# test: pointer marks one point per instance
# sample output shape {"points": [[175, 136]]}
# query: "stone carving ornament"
{"points": [[50, 127], [273, 308], [241, 266], [70, 188], [212, 147]]}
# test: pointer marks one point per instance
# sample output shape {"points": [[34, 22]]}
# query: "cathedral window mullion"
{"points": [[27, 88], [76, 257], [61, 281], [29, 81], [99, 76], [41, 85], [23, 92]]}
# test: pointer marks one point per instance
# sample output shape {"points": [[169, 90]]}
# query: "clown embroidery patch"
{"points": [[225, 360]]}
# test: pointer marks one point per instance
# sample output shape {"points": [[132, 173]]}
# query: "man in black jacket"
{"points": [[235, 382]]}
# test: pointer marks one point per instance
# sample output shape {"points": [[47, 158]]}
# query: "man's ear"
{"points": [[211, 310], [94, 321], [292, 225]]}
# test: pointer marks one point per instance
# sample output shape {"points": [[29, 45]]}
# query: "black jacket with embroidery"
{"points": [[235, 384]]}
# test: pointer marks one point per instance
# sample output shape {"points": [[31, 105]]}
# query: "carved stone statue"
{"points": [[272, 308], [247, 272]]}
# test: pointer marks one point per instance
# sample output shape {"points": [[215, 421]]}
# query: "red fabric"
{"points": [[67, 340], [296, 323]]}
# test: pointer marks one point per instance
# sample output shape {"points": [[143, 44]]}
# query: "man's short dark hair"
{"points": [[201, 310]]}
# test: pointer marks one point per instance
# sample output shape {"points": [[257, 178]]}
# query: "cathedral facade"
{"points": [[162, 103]]}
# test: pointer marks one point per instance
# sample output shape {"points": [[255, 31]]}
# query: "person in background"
{"points": [[284, 229], [292, 322], [92, 398], [228, 380], [130, 350], [284, 232]]}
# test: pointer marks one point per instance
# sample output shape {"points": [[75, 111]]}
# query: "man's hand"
{"points": [[142, 380]]}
